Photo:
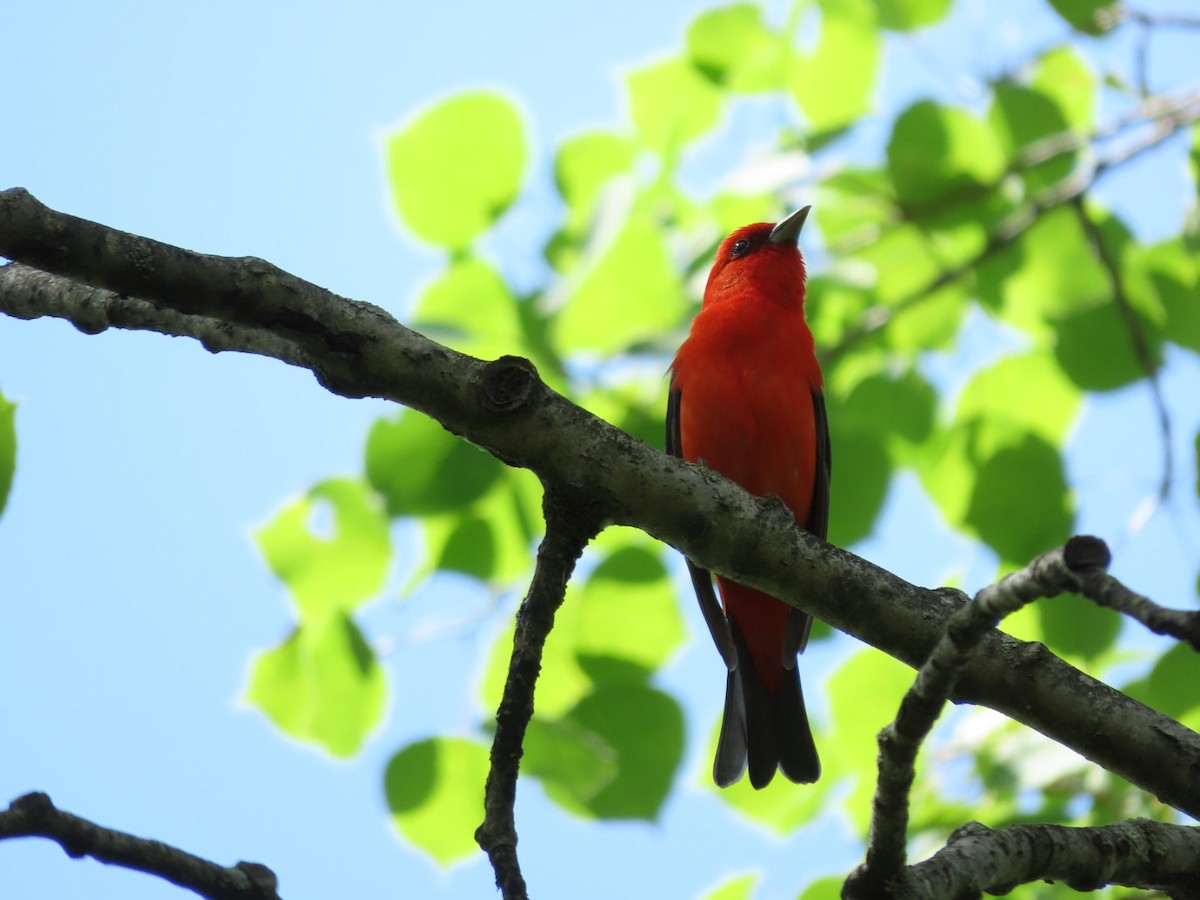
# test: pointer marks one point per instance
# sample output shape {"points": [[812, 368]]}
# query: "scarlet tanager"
{"points": [[746, 401]]}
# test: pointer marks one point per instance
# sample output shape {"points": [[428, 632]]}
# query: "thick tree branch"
{"points": [[570, 524], [1138, 853], [358, 350], [35, 816]]}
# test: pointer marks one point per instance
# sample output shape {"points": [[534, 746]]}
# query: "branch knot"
{"points": [[507, 383]]}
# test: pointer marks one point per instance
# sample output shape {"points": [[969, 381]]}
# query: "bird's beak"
{"points": [[788, 231]]}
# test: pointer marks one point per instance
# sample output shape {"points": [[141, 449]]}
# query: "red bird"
{"points": [[746, 401]]}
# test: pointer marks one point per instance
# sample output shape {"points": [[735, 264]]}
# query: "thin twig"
{"points": [[568, 530], [34, 815]]}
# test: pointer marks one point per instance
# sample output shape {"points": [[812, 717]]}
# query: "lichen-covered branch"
{"points": [[359, 350], [35, 816]]}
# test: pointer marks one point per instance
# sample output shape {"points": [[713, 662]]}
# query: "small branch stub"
{"points": [[507, 383]]}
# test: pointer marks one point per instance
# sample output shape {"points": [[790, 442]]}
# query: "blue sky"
{"points": [[131, 593]]}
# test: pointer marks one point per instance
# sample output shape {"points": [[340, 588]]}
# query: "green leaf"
{"points": [[434, 791], [1027, 390], [585, 163], [884, 405], [643, 729], [906, 15], [323, 685], [864, 695], [1021, 117], [457, 166], [740, 887], [1020, 505], [938, 153], [856, 499], [1173, 271], [470, 308], [1092, 17], [628, 291], [1049, 274], [1073, 626], [8, 448], [834, 83], [853, 206], [670, 104], [422, 469], [573, 757], [1063, 75], [334, 572], [1170, 686], [734, 47]]}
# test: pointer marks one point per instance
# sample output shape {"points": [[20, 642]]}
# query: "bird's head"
{"points": [[761, 259]]}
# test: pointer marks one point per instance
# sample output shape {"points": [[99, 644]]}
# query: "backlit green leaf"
{"points": [[8, 447], [734, 47], [643, 727], [889, 406], [834, 83], [628, 291], [938, 153], [329, 565], [740, 887], [470, 308], [585, 163], [421, 469], [1027, 390], [1092, 17], [323, 685], [457, 166], [856, 497], [1020, 504], [1174, 274], [1075, 627], [905, 15], [671, 103], [1062, 75], [1170, 686], [434, 791], [1021, 117]]}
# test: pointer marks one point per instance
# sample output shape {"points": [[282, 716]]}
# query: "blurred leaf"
{"points": [[903, 263], [1025, 389], [824, 889], [620, 625], [1171, 686], [1092, 17], [740, 887], [734, 47], [323, 685], [864, 694], [939, 153], [931, 324], [563, 752], [630, 291], [671, 103], [470, 308], [1021, 117], [854, 206], [8, 448], [492, 538], [1064, 76], [1075, 627], [886, 406], [456, 167], [861, 472], [434, 789], [1020, 505], [422, 469], [1048, 274], [833, 84], [1172, 270], [643, 727], [905, 15], [585, 163], [333, 572]]}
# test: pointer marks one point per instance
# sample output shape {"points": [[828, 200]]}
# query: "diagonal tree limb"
{"points": [[359, 350], [569, 528], [1053, 573], [35, 816]]}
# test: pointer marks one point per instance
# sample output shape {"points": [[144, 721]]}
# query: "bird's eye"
{"points": [[740, 248]]}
